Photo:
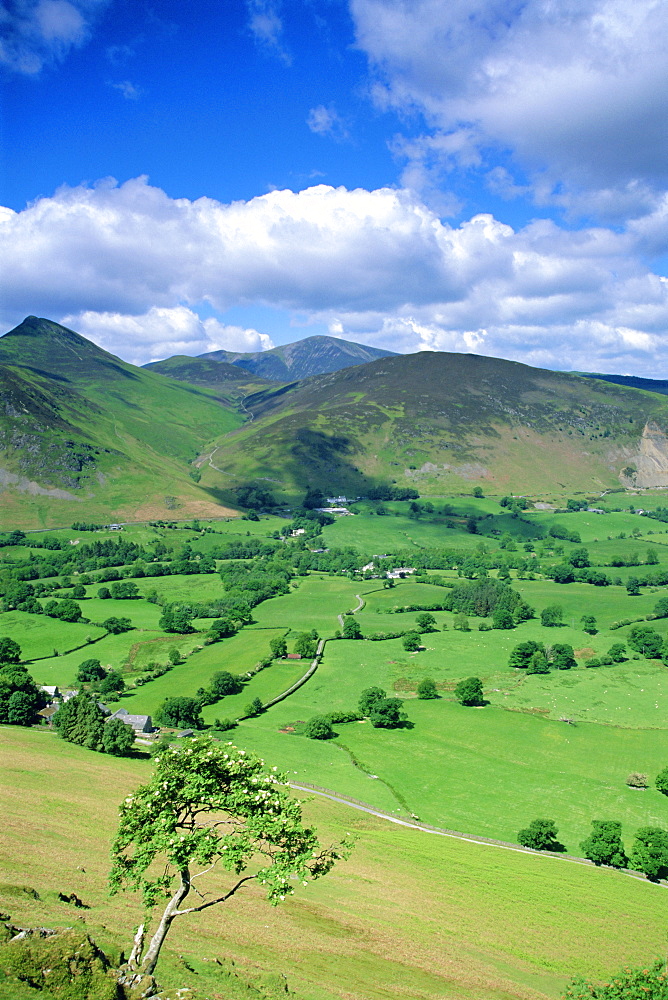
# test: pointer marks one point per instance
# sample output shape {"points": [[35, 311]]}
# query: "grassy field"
{"points": [[410, 915], [237, 654], [315, 604]]}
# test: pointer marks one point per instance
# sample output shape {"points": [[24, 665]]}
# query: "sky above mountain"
{"points": [[484, 176]]}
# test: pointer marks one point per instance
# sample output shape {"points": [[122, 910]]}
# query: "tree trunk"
{"points": [[150, 959], [137, 947]]}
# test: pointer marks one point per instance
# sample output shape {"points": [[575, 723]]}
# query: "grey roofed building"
{"points": [[140, 723]]}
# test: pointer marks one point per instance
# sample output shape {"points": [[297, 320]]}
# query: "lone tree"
{"points": [[210, 806], [351, 629], [469, 692], [319, 728], [427, 689], [540, 835], [604, 845], [649, 853]]}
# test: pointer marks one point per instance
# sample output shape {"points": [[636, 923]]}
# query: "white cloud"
{"points": [[573, 90], [34, 33], [128, 265], [160, 333], [327, 121], [129, 91], [266, 26]]}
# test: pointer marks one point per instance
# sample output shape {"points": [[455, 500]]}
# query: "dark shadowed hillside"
{"points": [[439, 421], [633, 382]]}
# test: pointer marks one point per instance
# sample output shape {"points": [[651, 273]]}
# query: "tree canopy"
{"points": [[210, 805], [469, 692]]}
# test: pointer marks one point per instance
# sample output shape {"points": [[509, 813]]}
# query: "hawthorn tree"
{"points": [[210, 806]]}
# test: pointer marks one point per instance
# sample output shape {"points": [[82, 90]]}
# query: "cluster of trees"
{"points": [[603, 846], [81, 720], [20, 698], [382, 712], [536, 658], [485, 597], [180, 712], [105, 682]]}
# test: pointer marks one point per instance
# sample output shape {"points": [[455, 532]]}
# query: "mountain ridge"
{"points": [[315, 355]]}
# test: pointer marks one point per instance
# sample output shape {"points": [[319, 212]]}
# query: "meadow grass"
{"points": [[409, 915], [236, 654], [489, 771], [314, 604], [39, 635]]}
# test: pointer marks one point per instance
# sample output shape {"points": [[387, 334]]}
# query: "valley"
{"points": [[521, 518]]}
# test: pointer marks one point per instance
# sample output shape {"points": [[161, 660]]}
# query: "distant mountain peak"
{"points": [[317, 355]]}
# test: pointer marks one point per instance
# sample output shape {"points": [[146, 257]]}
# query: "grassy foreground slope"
{"points": [[85, 436], [409, 915]]}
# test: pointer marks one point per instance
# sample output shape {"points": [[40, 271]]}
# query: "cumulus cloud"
{"points": [[573, 90], [34, 33], [160, 333], [327, 121], [129, 265]]}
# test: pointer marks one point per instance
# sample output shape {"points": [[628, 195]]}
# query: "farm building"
{"points": [[140, 723]]}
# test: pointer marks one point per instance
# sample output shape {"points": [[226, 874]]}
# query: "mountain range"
{"points": [[311, 356], [86, 435]]}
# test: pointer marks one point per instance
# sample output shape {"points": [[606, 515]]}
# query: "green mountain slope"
{"points": [[85, 436], [449, 421], [311, 356]]}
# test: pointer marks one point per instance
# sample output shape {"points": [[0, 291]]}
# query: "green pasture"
{"points": [[377, 535], [237, 654], [198, 588], [409, 915], [265, 685], [314, 604], [142, 614], [39, 635], [112, 651], [488, 771], [607, 604]]}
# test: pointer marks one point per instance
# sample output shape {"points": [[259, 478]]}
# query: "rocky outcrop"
{"points": [[650, 465]]}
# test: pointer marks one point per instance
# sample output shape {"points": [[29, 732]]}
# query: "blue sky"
{"points": [[477, 175]]}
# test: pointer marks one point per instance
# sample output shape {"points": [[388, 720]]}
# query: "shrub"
{"points": [[319, 728], [650, 983], [427, 689], [637, 780]]}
